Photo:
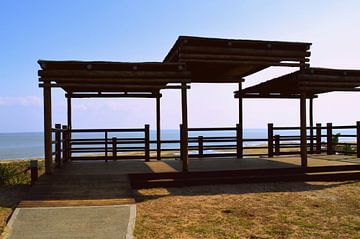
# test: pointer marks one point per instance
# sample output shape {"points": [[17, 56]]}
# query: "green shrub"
{"points": [[14, 173]]}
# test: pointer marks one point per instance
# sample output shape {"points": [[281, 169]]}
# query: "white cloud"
{"points": [[22, 101]]}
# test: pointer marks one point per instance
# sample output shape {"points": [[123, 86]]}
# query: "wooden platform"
{"points": [[98, 183]]}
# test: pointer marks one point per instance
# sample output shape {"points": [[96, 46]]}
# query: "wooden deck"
{"points": [[97, 183]]}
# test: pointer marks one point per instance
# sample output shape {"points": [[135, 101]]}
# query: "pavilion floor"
{"points": [[96, 183]]}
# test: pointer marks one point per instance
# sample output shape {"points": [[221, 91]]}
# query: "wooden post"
{"points": [[69, 122], [147, 143], [239, 126], [303, 137], [184, 128], [277, 144], [158, 129], [47, 129], [239, 141], [58, 145], [201, 146], [106, 146], [65, 144], [329, 137], [311, 118], [358, 139], [181, 141], [270, 140], [69, 118], [114, 148], [33, 171], [318, 138]]}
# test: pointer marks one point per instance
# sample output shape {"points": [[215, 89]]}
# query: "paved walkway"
{"points": [[73, 222]]}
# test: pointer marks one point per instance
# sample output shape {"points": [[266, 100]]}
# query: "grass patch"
{"points": [[272, 210]]}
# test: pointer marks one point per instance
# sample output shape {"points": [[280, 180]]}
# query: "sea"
{"points": [[31, 145]]}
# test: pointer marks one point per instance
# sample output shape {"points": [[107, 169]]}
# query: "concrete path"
{"points": [[72, 222]]}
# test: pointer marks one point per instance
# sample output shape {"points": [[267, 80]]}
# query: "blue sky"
{"points": [[145, 31]]}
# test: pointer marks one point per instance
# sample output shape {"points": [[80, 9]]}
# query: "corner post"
{"points": [[114, 148], [329, 137], [58, 145], [270, 140], [65, 144], [147, 143], [33, 171], [184, 129], [303, 137], [47, 128], [239, 141], [201, 146], [318, 138]]}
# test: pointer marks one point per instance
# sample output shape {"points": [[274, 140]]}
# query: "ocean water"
{"points": [[30, 145]]}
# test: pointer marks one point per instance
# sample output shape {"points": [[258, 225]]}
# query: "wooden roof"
{"points": [[311, 81], [112, 77], [212, 60]]}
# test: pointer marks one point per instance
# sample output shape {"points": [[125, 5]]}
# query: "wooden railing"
{"points": [[79, 144], [322, 140]]}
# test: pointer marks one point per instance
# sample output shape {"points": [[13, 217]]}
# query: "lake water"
{"points": [[30, 145]]}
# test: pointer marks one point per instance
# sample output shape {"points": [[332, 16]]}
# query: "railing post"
{"points": [[358, 139], [181, 142], [114, 148], [201, 146], [33, 171], [329, 136], [147, 143], [270, 140], [106, 146], [277, 144], [318, 138], [57, 145], [65, 144], [239, 141], [184, 148]]}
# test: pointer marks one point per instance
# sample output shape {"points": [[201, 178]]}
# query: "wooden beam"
{"points": [[246, 52], [101, 86], [324, 89], [113, 74], [241, 62], [303, 143], [47, 129], [184, 127], [158, 129], [108, 80], [239, 57], [121, 95]]}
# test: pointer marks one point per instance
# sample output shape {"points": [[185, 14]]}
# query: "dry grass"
{"points": [[273, 210]]}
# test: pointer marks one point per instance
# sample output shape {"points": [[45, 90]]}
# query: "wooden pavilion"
{"points": [[194, 60], [95, 79], [304, 84]]}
